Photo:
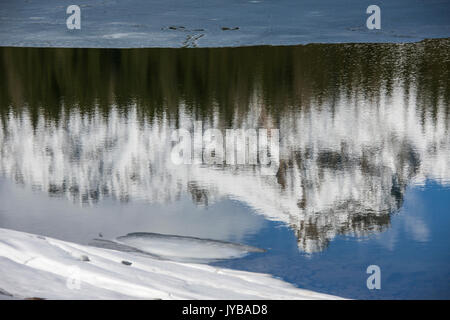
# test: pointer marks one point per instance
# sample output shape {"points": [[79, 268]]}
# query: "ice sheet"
{"points": [[187, 249], [217, 23]]}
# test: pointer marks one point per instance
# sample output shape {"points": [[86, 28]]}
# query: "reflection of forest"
{"points": [[158, 79], [358, 123]]}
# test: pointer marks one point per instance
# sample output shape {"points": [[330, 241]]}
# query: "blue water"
{"points": [[363, 174], [414, 259], [413, 252]]}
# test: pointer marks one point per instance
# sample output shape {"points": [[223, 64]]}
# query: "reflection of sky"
{"points": [[413, 254], [35, 212]]}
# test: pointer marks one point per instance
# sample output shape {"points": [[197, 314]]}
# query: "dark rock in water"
{"points": [[176, 27], [85, 258], [127, 263], [35, 298]]}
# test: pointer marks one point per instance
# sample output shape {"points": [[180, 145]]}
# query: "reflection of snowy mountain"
{"points": [[344, 168]]}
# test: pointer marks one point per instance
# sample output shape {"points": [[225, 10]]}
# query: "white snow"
{"points": [[213, 23], [42, 267]]}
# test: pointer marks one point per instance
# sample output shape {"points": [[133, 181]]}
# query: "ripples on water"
{"points": [[363, 130]]}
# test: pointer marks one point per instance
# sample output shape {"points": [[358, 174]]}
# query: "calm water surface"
{"points": [[364, 175]]}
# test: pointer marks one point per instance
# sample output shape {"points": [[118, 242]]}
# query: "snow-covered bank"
{"points": [[42, 267], [217, 23]]}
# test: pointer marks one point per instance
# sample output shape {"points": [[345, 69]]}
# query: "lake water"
{"points": [[364, 156]]}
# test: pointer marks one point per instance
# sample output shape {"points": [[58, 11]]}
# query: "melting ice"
{"points": [[179, 248]]}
